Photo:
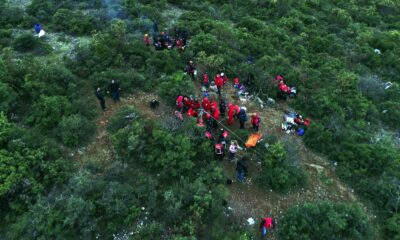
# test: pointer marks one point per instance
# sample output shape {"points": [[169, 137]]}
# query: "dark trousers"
{"points": [[115, 96], [215, 123], [255, 127], [102, 103], [219, 91], [241, 124]]}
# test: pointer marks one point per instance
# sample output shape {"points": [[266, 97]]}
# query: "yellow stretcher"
{"points": [[253, 140]]}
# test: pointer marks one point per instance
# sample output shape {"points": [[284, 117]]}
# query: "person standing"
{"points": [[146, 40], [241, 169], [233, 148], [114, 89], [242, 117], [266, 224], [255, 121], [100, 96]]}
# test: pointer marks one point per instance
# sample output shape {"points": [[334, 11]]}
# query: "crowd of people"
{"points": [[163, 40], [215, 114]]}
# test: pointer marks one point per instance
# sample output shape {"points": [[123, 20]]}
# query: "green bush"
{"points": [[73, 22], [47, 112], [123, 118], [75, 130], [325, 221], [25, 42], [276, 172], [173, 86]]}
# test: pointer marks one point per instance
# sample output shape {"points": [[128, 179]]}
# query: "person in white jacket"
{"points": [[233, 148]]}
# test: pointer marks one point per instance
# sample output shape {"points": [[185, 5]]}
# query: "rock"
{"points": [[250, 221], [319, 168], [271, 101]]}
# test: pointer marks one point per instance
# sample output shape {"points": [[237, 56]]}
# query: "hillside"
{"points": [[69, 170]]}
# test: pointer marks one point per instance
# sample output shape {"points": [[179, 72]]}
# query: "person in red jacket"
{"points": [[206, 80], [179, 103], [284, 88], [214, 105], [206, 104], [231, 113], [237, 110], [225, 78], [219, 82], [209, 122], [146, 40], [236, 82], [215, 118], [192, 113], [255, 121], [186, 103], [195, 104], [266, 224]]}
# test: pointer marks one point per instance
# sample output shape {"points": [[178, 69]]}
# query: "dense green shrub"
{"points": [[47, 112], [173, 86], [277, 173], [25, 42], [75, 129], [73, 22], [325, 221]]}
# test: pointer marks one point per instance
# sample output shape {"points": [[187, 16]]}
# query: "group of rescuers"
{"points": [[208, 112]]}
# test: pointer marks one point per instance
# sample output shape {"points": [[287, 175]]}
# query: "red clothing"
{"points": [[214, 105], [284, 88], [206, 104], [225, 79], [187, 102], [255, 120], [179, 103], [268, 223], [279, 78], [236, 81], [218, 81], [195, 104], [192, 113], [146, 40], [200, 122], [205, 78], [216, 114], [237, 109]]}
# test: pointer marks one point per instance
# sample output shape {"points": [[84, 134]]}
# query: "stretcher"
{"points": [[253, 140]]}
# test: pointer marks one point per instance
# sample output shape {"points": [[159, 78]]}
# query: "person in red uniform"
{"points": [[192, 113], [195, 104], [236, 82], [255, 121], [179, 103], [206, 82], [146, 40], [284, 88], [231, 113], [219, 82], [214, 105], [219, 151], [266, 224], [206, 104], [208, 121], [225, 78], [215, 118], [186, 103], [237, 110]]}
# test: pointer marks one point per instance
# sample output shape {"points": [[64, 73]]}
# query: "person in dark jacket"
{"points": [[155, 26], [241, 169], [100, 96], [114, 89], [242, 117], [222, 107]]}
